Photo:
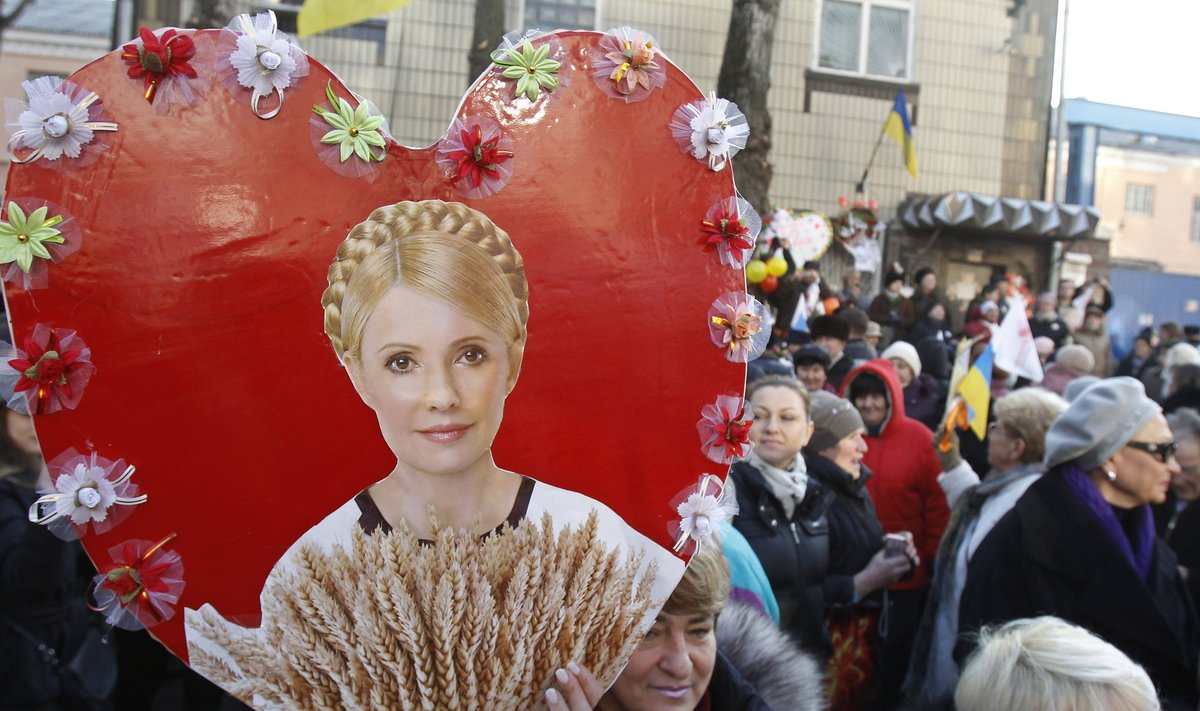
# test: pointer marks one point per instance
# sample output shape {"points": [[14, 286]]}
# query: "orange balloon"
{"points": [[771, 283]]}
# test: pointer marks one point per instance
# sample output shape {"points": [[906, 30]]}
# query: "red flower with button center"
{"points": [[159, 58], [478, 158], [53, 369], [725, 229]]}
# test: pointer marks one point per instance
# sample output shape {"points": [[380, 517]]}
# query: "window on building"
{"points": [[868, 37], [1139, 199], [560, 14], [1196, 220]]}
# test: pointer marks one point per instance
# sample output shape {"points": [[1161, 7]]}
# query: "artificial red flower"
{"points": [[725, 429], [725, 229], [478, 158], [159, 58], [141, 585], [54, 366]]}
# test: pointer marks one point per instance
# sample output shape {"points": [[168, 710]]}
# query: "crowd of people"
{"points": [[880, 558]]}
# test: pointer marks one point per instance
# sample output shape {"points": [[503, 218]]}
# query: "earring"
{"points": [[1110, 475]]}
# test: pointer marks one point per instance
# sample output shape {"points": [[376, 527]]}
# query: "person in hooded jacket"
{"points": [[907, 497]]}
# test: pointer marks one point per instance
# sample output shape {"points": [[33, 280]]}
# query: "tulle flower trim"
{"points": [[163, 62], [60, 120], [349, 137], [477, 156], [735, 323], [141, 586], [33, 234], [702, 509], [263, 59], [711, 129], [53, 369], [725, 429], [535, 69], [627, 69], [730, 229], [88, 489]]}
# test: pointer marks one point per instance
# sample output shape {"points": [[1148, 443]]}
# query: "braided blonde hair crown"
{"points": [[455, 270]]}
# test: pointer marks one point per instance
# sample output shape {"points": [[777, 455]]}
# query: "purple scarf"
{"points": [[1139, 549]]}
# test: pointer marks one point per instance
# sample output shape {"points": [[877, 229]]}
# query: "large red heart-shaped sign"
{"points": [[206, 234]]}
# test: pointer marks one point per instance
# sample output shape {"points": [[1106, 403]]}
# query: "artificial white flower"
{"points": [[263, 58], [59, 120], [700, 515], [86, 494], [711, 129]]}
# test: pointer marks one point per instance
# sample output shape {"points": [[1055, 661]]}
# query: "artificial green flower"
{"points": [[532, 68], [354, 130], [24, 237]]}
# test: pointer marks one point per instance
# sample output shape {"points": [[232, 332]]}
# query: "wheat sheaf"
{"points": [[388, 623]]}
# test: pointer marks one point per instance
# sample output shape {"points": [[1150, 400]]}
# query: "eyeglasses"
{"points": [[1162, 450]]}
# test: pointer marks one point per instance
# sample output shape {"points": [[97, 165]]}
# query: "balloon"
{"points": [[756, 271], [777, 266], [771, 283]]}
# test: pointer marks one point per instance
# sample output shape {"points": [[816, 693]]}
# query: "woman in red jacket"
{"points": [[907, 498]]}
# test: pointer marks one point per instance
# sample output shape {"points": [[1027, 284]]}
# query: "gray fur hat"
{"points": [[833, 418], [1101, 420]]}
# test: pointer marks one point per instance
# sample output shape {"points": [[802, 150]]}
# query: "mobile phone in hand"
{"points": [[894, 545]]}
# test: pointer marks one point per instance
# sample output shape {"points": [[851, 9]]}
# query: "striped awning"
{"points": [[991, 213]]}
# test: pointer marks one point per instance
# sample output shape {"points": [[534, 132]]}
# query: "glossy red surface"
{"points": [[207, 233]]}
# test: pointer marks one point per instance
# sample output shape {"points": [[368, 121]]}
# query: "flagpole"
{"points": [[860, 188]]}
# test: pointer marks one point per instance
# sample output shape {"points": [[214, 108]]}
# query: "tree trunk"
{"points": [[210, 14], [745, 79], [489, 29]]}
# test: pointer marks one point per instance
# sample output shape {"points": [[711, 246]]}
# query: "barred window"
{"points": [[867, 37], [1139, 199]]}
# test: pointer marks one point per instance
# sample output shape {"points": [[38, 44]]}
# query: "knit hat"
{"points": [[829, 326], [1179, 354], [905, 352], [833, 419], [1076, 387], [1100, 421], [1077, 357], [874, 330], [810, 353], [1044, 346], [891, 277], [812, 264]]}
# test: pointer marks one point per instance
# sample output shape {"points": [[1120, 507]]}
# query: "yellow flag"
{"points": [[321, 15]]}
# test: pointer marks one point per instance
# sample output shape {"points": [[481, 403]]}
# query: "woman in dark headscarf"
{"points": [[1080, 543]]}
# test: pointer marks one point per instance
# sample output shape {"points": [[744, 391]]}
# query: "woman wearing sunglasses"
{"points": [[1080, 544]]}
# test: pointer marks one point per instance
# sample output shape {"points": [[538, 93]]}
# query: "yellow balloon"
{"points": [[776, 266], [756, 271]]}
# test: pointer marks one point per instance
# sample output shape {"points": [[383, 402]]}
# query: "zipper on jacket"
{"points": [[795, 536]]}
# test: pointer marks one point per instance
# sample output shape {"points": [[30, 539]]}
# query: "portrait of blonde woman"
{"points": [[451, 576]]}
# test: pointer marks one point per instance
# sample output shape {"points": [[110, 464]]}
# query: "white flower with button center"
{"points": [[59, 120], [86, 494], [711, 129], [702, 512], [88, 489], [265, 60]]}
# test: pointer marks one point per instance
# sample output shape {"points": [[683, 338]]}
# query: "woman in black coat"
{"points": [[1080, 543]]}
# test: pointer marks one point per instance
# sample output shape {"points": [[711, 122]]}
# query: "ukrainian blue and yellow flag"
{"points": [[321, 15], [971, 389], [900, 129]]}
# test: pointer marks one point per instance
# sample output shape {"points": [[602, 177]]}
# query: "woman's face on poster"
{"points": [[436, 379]]}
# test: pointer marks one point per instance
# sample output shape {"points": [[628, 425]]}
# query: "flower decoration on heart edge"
{"points": [[34, 234], [162, 61], [349, 137], [536, 68], [262, 59], [724, 428], [477, 156], [858, 220], [711, 130], [59, 120], [52, 369], [141, 586], [702, 509], [730, 229], [735, 323], [626, 68], [88, 490]]}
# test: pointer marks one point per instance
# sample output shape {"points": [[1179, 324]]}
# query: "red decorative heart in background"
{"points": [[206, 236]]}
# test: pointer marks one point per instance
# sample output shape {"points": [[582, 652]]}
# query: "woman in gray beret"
{"points": [[1080, 543]]}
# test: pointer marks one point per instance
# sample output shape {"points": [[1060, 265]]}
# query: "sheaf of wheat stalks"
{"points": [[387, 623]]}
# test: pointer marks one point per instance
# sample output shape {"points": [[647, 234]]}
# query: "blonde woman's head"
{"points": [[1046, 664], [446, 251]]}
